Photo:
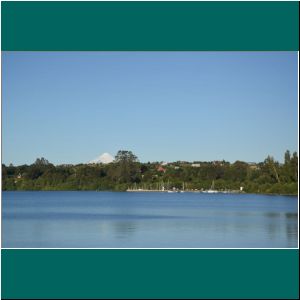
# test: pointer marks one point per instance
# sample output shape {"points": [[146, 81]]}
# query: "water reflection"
{"points": [[292, 229], [114, 220], [123, 229]]}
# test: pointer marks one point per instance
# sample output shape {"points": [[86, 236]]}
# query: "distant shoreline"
{"points": [[127, 173], [154, 191]]}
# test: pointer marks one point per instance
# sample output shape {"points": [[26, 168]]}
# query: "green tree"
{"points": [[125, 156], [287, 157], [272, 167], [42, 162], [126, 167], [294, 166]]}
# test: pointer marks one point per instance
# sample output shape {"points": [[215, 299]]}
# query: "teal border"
{"points": [[150, 26], [149, 274]]}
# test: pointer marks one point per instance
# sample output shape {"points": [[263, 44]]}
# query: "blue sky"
{"points": [[70, 107]]}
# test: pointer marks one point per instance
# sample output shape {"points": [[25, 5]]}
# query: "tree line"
{"points": [[126, 171]]}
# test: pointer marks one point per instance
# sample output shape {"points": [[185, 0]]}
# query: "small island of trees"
{"points": [[126, 172]]}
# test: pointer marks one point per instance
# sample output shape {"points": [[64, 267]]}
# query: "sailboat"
{"points": [[212, 189], [182, 191]]}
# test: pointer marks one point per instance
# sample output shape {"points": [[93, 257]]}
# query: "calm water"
{"points": [[160, 220]]}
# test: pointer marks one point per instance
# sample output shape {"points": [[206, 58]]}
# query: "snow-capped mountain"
{"points": [[104, 158]]}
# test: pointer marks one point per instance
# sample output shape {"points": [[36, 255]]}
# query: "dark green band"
{"points": [[210, 274], [143, 26]]}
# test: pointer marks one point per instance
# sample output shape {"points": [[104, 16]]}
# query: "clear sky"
{"points": [[70, 107]]}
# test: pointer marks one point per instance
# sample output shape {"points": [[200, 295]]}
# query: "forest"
{"points": [[126, 172]]}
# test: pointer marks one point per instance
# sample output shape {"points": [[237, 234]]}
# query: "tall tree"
{"points": [[287, 157], [125, 156], [41, 162], [272, 167], [127, 169], [294, 166]]}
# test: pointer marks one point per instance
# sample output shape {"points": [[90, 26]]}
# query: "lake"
{"points": [[148, 220]]}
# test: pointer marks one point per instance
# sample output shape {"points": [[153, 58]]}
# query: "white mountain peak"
{"points": [[104, 158]]}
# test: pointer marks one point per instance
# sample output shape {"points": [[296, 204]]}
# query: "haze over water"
{"points": [[148, 220]]}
